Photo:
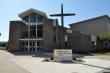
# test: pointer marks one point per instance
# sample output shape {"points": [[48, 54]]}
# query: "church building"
{"points": [[36, 32]]}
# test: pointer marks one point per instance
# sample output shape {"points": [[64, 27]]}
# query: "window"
{"points": [[39, 27], [40, 19], [26, 19], [39, 31], [33, 31], [33, 18], [39, 43], [32, 43]]}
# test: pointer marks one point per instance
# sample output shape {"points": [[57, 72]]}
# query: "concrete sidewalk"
{"points": [[10, 63], [7, 66]]}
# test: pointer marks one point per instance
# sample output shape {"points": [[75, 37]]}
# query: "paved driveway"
{"points": [[20, 63], [7, 66]]}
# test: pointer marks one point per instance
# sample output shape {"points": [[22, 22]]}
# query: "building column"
{"points": [[36, 32], [36, 46], [28, 46], [29, 23]]}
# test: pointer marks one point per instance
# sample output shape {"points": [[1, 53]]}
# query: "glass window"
{"points": [[33, 31], [26, 19], [40, 19], [33, 18], [39, 33], [39, 43], [39, 27], [32, 43], [33, 27]]}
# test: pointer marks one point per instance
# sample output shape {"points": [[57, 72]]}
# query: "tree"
{"points": [[105, 38], [3, 44]]}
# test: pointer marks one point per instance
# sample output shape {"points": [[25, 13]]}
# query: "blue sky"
{"points": [[84, 9]]}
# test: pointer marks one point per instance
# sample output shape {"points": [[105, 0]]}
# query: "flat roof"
{"points": [[72, 24]]}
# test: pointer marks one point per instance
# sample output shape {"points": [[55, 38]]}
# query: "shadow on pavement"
{"points": [[33, 54], [94, 66]]}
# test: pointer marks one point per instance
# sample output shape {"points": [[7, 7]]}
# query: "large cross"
{"points": [[62, 15]]}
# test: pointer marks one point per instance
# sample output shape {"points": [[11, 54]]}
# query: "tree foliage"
{"points": [[105, 36], [3, 44]]}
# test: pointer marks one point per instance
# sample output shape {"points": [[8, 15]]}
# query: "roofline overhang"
{"points": [[30, 11]]}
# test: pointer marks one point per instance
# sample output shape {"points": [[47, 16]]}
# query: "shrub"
{"points": [[51, 58], [74, 58], [46, 60]]}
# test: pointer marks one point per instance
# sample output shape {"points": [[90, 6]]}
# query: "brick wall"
{"points": [[14, 35], [79, 42]]}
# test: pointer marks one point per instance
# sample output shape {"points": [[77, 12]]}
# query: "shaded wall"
{"points": [[79, 42], [14, 35]]}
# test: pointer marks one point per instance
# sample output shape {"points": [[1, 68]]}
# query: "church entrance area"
{"points": [[31, 45]]}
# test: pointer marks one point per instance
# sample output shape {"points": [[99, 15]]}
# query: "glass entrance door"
{"points": [[32, 46]]}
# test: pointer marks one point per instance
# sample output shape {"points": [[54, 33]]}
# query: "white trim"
{"points": [[29, 11], [36, 46]]}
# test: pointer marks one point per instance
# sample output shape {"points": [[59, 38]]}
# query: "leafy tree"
{"points": [[3, 44], [105, 38]]}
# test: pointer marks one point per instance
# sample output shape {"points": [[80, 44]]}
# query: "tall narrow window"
{"points": [[33, 19], [33, 31], [40, 19], [39, 31]]}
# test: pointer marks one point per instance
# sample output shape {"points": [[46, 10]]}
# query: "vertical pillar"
{"points": [[29, 28], [29, 33], [36, 32], [36, 26], [36, 46], [28, 46]]}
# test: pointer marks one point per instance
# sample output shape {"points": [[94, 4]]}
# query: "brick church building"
{"points": [[36, 32]]}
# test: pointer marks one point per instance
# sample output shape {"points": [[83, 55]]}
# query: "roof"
{"points": [[104, 16], [30, 11]]}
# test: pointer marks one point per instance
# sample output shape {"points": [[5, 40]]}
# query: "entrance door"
{"points": [[32, 46]]}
